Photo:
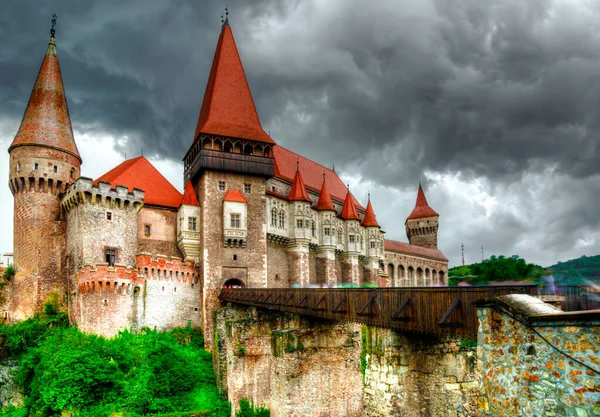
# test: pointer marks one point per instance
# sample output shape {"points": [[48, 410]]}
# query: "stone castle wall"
{"points": [[162, 239], [423, 232], [545, 366], [220, 263], [39, 229], [413, 271]]}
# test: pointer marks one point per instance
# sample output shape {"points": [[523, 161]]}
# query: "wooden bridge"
{"points": [[437, 311]]}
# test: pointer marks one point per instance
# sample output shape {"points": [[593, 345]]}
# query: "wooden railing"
{"points": [[436, 311]]}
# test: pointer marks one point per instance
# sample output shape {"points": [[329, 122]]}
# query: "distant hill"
{"points": [[577, 271], [580, 271]]}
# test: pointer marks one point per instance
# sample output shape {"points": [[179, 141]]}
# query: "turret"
{"points": [[304, 225], [374, 247], [422, 223], [43, 160]]}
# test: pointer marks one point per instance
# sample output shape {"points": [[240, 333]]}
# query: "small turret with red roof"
{"points": [[422, 223], [349, 211], [298, 191], [325, 202]]}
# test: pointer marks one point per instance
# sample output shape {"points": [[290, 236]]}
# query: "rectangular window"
{"points": [[147, 229], [299, 224], [327, 231], [372, 244], [221, 185], [55, 169], [192, 223], [247, 188], [235, 221], [110, 256], [35, 166], [351, 238], [108, 215]]}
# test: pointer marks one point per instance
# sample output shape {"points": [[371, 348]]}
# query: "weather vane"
{"points": [[52, 30]]}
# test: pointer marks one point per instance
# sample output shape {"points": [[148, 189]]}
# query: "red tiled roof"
{"points": [[421, 209], [324, 198], [235, 196], [140, 173], [312, 174], [349, 210], [189, 195], [46, 121], [405, 248], [228, 108], [298, 191], [370, 220]]}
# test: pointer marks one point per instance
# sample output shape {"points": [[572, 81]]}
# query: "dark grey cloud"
{"points": [[506, 92]]}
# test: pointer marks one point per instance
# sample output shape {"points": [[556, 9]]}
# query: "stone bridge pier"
{"points": [[293, 365]]}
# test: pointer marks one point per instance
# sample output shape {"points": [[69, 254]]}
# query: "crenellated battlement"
{"points": [[164, 268], [84, 191]]}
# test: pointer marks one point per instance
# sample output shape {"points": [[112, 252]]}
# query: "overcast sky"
{"points": [[493, 105]]}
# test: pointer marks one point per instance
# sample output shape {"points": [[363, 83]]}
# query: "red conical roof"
{"points": [[46, 121], [298, 191], [189, 195], [370, 220], [421, 209], [228, 108], [349, 211], [325, 202], [140, 173]]}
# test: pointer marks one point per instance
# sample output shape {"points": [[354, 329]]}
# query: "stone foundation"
{"points": [[418, 376], [294, 366]]}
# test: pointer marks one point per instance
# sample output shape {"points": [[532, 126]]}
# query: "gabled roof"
{"points": [[421, 209], [235, 196], [228, 108], [312, 174], [298, 191], [325, 202], [189, 195], [370, 220], [405, 248], [46, 120], [349, 211], [140, 173]]}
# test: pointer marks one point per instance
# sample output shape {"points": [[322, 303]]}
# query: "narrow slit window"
{"points": [[147, 229], [108, 215]]}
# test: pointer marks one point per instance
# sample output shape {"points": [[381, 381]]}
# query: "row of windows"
{"points": [[36, 166], [223, 187]]}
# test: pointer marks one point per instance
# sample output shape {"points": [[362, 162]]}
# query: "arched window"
{"points": [[248, 150], [72, 173], [274, 217], [282, 219]]}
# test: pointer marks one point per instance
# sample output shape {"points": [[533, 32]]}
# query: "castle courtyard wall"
{"points": [[162, 239]]}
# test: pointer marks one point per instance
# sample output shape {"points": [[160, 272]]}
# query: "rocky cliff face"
{"points": [[10, 391]]}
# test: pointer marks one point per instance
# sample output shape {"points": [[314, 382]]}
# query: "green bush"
{"points": [[152, 373], [247, 409], [9, 273]]}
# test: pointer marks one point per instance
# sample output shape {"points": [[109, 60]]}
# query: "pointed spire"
{"points": [[422, 208], [228, 108], [189, 195], [349, 211], [298, 191], [370, 219], [325, 202], [46, 120]]}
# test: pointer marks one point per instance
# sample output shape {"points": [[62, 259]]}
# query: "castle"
{"points": [[128, 250]]}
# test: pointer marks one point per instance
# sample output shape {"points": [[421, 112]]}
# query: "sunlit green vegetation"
{"points": [[63, 371], [495, 269]]}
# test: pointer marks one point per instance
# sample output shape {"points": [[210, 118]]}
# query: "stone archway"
{"points": [[234, 283]]}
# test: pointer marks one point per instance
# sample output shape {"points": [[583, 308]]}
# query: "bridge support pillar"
{"points": [[293, 366], [299, 263], [371, 274], [351, 269], [326, 266]]}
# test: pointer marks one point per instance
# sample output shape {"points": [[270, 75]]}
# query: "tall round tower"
{"points": [[43, 160], [422, 223]]}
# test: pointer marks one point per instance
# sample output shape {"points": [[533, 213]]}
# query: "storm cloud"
{"points": [[493, 105]]}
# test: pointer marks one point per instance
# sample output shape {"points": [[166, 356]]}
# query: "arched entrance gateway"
{"points": [[234, 283]]}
